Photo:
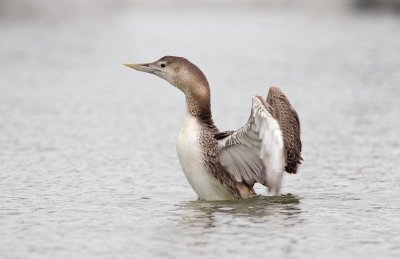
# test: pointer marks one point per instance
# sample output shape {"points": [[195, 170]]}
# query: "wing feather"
{"points": [[262, 149], [289, 123]]}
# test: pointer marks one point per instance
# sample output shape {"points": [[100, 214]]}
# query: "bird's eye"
{"points": [[162, 65]]}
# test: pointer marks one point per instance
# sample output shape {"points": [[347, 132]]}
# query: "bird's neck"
{"points": [[198, 103]]}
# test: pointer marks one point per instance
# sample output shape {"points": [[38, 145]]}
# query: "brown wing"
{"points": [[289, 123]]}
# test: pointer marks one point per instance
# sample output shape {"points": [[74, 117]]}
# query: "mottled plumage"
{"points": [[226, 165], [289, 123]]}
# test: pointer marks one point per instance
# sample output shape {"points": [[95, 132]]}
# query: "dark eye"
{"points": [[162, 65]]}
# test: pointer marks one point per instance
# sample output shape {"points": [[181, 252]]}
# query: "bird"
{"points": [[225, 165]]}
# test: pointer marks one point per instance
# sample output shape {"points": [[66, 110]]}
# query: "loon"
{"points": [[226, 165]]}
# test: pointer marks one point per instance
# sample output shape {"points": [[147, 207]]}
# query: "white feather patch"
{"points": [[255, 152], [271, 152], [192, 162]]}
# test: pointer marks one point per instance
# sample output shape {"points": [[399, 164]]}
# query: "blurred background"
{"points": [[87, 147]]}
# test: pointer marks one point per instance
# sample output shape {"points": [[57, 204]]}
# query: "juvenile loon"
{"points": [[226, 165]]}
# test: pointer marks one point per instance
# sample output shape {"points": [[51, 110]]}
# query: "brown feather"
{"points": [[289, 123]]}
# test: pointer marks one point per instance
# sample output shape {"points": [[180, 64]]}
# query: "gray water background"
{"points": [[88, 167]]}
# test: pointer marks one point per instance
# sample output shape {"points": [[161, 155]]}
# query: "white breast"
{"points": [[190, 156]]}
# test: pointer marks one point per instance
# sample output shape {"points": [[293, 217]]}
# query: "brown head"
{"points": [[185, 76]]}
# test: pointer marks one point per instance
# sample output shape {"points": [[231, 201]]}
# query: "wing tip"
{"points": [[274, 90], [259, 100]]}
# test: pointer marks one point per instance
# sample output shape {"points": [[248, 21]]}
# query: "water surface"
{"points": [[88, 167]]}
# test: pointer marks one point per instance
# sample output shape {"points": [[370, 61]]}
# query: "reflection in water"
{"points": [[203, 214], [231, 225]]}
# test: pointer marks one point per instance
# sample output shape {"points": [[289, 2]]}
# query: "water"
{"points": [[88, 167]]}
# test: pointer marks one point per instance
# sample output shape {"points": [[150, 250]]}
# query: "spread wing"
{"points": [[257, 152], [289, 123]]}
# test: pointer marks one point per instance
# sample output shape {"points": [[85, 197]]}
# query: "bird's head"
{"points": [[178, 71]]}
